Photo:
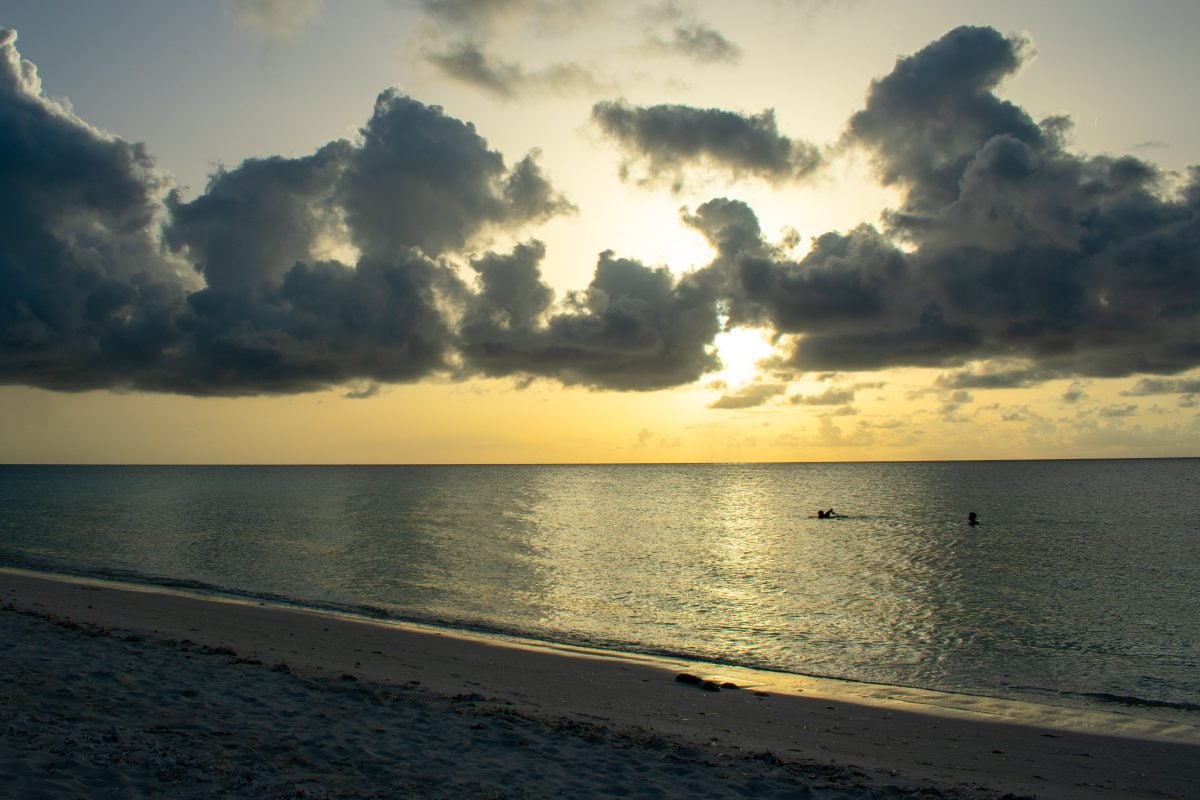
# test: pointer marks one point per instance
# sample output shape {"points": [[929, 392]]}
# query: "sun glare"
{"points": [[741, 350]]}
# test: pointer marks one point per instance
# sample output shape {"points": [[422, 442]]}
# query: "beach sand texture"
{"points": [[113, 691]]}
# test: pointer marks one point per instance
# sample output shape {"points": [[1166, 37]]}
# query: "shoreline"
{"points": [[874, 736], [1078, 718]]}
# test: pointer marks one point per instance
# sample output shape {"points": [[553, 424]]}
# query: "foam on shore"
{"points": [[632, 718]]}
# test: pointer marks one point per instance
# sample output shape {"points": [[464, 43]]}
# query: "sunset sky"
{"points": [[499, 231]]}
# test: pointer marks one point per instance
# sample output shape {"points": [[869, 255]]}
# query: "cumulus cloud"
{"points": [[1008, 261], [634, 327], [668, 138], [94, 294], [1015, 250], [86, 294]]}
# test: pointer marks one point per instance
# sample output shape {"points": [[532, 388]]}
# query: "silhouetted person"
{"points": [[972, 519], [820, 514]]}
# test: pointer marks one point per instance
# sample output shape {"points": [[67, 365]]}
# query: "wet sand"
{"points": [[116, 691]]}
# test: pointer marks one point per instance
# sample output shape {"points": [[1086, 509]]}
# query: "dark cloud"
{"points": [[635, 327], [929, 118], [364, 392], [1008, 261], [325, 323], [1003, 377], [1014, 249], [84, 285], [468, 63], [253, 223], [274, 316], [94, 256], [1147, 387], [668, 138], [424, 179]]}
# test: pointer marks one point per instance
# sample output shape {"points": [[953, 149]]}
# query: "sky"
{"points": [[556, 231]]}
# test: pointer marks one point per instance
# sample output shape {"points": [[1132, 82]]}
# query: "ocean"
{"points": [[1080, 587]]}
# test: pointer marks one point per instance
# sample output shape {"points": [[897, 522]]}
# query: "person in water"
{"points": [[825, 514], [972, 519]]}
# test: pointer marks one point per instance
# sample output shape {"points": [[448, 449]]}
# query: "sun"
{"points": [[741, 351]]}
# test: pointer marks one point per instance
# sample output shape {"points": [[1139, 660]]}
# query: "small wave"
{"points": [[1141, 702], [1110, 698]]}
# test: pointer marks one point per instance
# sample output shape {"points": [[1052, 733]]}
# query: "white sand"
{"points": [[118, 692]]}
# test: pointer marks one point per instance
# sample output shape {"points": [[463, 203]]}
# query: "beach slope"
{"points": [[116, 691]]}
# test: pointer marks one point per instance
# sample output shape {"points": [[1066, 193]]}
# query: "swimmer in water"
{"points": [[972, 519]]}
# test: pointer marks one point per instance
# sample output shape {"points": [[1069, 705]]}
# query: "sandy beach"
{"points": [[116, 691]]}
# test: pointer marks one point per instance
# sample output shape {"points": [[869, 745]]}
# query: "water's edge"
{"points": [[1109, 716]]}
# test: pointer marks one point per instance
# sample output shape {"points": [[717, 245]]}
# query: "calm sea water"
{"points": [[1082, 585]]}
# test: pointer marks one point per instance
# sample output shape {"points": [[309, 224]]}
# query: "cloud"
{"points": [[86, 295], [1005, 248], [1153, 386], [1152, 144], [701, 43], [997, 376], [668, 138], [633, 328], [1007, 261], [953, 402], [275, 17], [480, 17], [468, 63], [363, 392], [829, 397], [929, 118], [687, 36], [1076, 393], [97, 290], [749, 397]]}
